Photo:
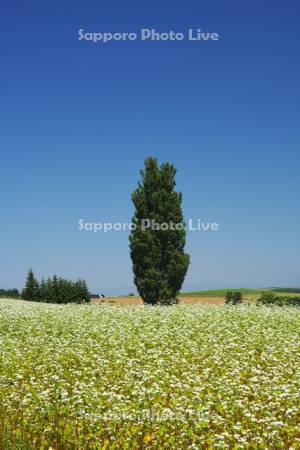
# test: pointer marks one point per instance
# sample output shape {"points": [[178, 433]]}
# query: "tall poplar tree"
{"points": [[158, 258]]}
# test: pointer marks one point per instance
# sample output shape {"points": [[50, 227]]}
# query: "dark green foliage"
{"points": [[32, 289], [158, 258], [271, 299], [81, 292], [9, 293], [293, 301], [233, 298], [267, 298], [228, 296], [60, 290]]}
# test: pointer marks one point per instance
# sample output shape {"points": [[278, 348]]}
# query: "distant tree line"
{"points": [[55, 290], [9, 293]]}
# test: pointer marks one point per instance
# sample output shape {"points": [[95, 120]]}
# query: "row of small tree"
{"points": [[55, 290], [9, 293]]}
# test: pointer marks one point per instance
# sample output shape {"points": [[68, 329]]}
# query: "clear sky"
{"points": [[78, 118]]}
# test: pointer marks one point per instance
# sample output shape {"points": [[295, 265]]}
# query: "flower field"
{"points": [[182, 377]]}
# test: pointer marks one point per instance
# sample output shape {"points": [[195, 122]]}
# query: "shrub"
{"points": [[267, 298], [233, 298], [271, 299]]}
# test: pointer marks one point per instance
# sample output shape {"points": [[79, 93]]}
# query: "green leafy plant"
{"points": [[209, 377]]}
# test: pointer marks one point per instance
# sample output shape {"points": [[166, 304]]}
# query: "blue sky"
{"points": [[78, 119]]}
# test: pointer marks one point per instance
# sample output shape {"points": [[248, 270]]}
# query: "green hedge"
{"points": [[270, 299]]}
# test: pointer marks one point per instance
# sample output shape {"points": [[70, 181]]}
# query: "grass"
{"points": [[188, 377], [286, 290], [245, 291]]}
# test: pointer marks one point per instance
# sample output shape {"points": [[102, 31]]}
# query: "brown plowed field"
{"points": [[134, 301]]}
